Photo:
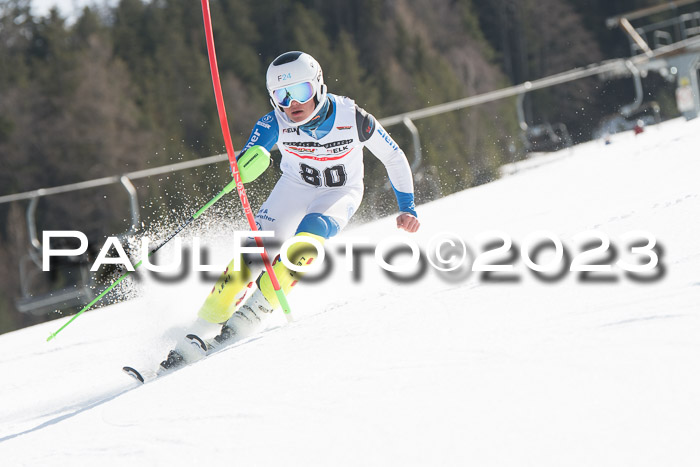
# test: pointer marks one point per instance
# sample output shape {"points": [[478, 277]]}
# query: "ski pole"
{"points": [[218, 93], [227, 189]]}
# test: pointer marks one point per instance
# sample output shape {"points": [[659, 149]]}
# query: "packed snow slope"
{"points": [[456, 369]]}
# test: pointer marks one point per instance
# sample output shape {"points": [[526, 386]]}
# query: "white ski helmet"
{"points": [[295, 76]]}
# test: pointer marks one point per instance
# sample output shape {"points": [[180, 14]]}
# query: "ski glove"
{"points": [[253, 163]]}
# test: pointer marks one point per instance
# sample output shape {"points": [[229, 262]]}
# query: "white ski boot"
{"points": [[249, 319], [185, 352]]}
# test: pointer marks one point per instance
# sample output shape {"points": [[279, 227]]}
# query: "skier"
{"points": [[320, 136]]}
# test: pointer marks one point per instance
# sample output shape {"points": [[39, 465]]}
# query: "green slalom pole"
{"points": [[227, 189]]}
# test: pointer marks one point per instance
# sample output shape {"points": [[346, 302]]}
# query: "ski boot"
{"points": [[247, 320], [173, 360]]}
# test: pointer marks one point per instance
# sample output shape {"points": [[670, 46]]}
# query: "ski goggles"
{"points": [[302, 93]]}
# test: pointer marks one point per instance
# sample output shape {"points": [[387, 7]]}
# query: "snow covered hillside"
{"points": [[570, 370]]}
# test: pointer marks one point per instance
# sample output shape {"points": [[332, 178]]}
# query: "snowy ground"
{"points": [[439, 371]]}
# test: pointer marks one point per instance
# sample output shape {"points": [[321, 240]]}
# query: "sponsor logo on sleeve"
{"points": [[253, 139], [388, 139], [265, 121]]}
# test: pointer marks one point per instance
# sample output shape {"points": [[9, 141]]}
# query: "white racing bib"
{"points": [[330, 162]]}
